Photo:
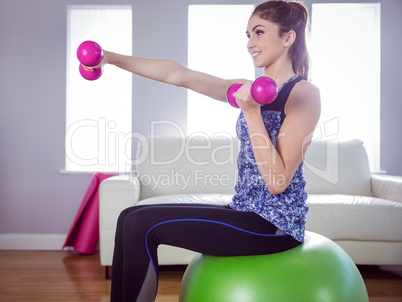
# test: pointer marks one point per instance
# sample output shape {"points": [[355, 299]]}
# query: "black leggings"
{"points": [[208, 229]]}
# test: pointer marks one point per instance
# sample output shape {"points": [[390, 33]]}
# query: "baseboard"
{"points": [[32, 241]]}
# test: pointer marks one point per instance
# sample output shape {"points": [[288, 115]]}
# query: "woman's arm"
{"points": [[171, 72], [278, 165]]}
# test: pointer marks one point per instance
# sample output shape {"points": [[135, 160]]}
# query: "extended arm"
{"points": [[172, 72]]}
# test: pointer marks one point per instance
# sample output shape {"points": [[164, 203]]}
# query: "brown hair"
{"points": [[289, 16]]}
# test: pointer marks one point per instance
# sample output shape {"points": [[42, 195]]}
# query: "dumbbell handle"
{"points": [[263, 90]]}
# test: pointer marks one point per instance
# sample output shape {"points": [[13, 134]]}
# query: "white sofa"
{"points": [[359, 211]]}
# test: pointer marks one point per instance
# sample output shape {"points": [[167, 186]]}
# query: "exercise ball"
{"points": [[316, 271]]}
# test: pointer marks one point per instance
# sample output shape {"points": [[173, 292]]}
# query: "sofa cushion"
{"points": [[185, 165], [337, 167], [339, 217], [347, 217]]}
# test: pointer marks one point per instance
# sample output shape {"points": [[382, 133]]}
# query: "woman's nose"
{"points": [[250, 44]]}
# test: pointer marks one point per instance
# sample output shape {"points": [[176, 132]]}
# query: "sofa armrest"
{"points": [[387, 187], [115, 194]]}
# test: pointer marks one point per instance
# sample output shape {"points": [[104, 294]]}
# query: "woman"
{"points": [[267, 213]]}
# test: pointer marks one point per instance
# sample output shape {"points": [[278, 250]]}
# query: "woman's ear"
{"points": [[289, 38]]}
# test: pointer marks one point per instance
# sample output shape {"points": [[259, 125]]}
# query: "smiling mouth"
{"points": [[255, 54]]}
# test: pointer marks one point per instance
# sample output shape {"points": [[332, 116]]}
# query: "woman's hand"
{"points": [[244, 99], [104, 61]]}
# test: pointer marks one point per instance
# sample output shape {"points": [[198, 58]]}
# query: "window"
{"points": [[217, 45], [98, 113], [345, 54]]}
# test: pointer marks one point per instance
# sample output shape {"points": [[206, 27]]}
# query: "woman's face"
{"points": [[265, 45]]}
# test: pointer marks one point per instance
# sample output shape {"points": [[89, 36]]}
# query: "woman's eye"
{"points": [[257, 33]]}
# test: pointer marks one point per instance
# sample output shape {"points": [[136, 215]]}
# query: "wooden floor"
{"points": [[67, 276]]}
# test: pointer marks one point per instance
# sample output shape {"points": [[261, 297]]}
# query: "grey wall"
{"points": [[391, 97], [34, 197]]}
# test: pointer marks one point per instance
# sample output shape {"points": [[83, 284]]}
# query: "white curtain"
{"points": [[98, 113], [345, 53], [217, 45]]}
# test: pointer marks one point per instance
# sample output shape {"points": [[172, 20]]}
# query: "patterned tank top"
{"points": [[287, 211]]}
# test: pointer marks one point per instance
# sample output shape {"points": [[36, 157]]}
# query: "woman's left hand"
{"points": [[245, 100]]}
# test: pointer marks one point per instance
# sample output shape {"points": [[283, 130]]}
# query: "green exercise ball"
{"points": [[316, 271]]}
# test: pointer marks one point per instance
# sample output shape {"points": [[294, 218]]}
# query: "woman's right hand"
{"points": [[104, 61]]}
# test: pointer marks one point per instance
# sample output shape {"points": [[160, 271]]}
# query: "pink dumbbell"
{"points": [[90, 54], [264, 91]]}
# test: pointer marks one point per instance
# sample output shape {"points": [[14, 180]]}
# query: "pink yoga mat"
{"points": [[84, 233]]}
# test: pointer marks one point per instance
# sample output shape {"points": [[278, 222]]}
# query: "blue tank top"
{"points": [[287, 211]]}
